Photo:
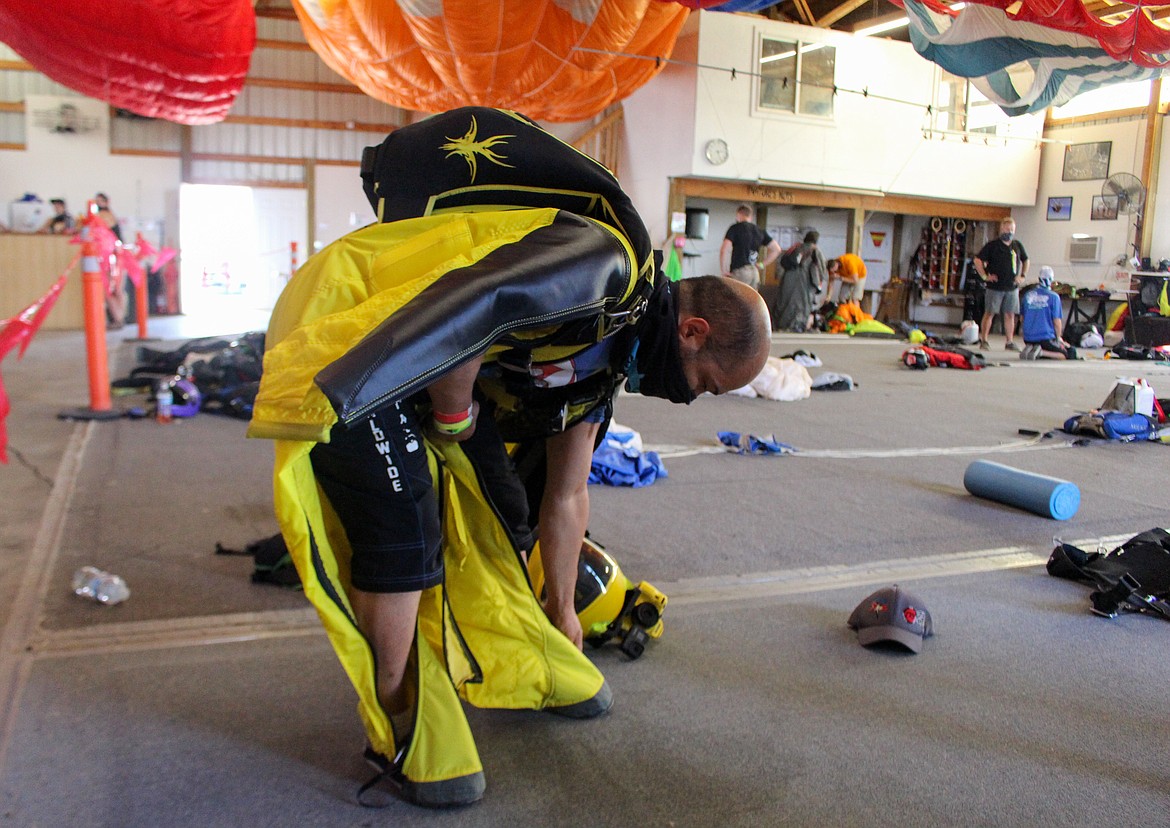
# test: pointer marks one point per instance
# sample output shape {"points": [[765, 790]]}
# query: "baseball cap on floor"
{"points": [[892, 614]]}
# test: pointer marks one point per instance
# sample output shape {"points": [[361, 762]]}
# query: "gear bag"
{"points": [[1112, 425], [273, 563], [1134, 577], [790, 259]]}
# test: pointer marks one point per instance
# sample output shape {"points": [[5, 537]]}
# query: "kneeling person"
{"points": [[1043, 325]]}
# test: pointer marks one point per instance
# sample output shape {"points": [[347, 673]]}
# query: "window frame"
{"points": [[758, 109]]}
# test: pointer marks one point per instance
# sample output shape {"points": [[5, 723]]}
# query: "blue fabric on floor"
{"points": [[751, 444], [617, 462]]}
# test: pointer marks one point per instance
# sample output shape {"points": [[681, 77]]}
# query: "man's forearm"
{"points": [[563, 521], [451, 393], [564, 516]]}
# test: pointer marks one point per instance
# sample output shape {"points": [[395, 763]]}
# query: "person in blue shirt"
{"points": [[1042, 323]]}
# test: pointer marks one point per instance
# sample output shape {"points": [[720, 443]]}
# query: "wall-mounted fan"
{"points": [[1127, 189]]}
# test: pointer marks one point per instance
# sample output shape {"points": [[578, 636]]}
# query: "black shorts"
{"points": [[376, 477]]}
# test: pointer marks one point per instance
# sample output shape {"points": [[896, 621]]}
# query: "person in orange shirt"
{"points": [[849, 270]]}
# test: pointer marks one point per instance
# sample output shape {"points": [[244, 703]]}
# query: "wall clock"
{"points": [[716, 151]]}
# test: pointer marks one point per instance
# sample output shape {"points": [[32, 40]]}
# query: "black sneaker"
{"points": [[445, 793], [1010, 346]]}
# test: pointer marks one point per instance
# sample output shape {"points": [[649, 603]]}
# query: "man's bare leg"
{"points": [[388, 620]]}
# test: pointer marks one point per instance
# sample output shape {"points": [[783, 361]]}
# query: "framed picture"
{"points": [[1086, 162], [1060, 208], [1104, 208]]}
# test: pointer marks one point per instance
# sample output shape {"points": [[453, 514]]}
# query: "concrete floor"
{"points": [[206, 700]]}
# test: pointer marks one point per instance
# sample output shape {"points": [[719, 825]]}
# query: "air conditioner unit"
{"points": [[1084, 249]]}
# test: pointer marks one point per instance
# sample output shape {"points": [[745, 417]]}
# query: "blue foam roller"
{"points": [[1047, 496]]}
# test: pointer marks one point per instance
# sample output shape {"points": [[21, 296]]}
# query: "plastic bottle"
{"points": [[164, 399], [99, 585]]}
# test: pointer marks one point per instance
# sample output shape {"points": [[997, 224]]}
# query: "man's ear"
{"points": [[693, 332]]}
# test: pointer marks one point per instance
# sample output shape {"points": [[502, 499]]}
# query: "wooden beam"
{"points": [[254, 182], [146, 153], [248, 159], [305, 86], [846, 8], [1116, 114], [612, 118], [226, 157], [306, 123], [185, 152], [272, 12], [743, 191], [310, 178], [286, 45], [1145, 228], [805, 12]]}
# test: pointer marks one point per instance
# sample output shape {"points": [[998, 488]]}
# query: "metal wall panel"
{"points": [[226, 172], [254, 101], [12, 128], [144, 134], [288, 64], [271, 28], [16, 84]]}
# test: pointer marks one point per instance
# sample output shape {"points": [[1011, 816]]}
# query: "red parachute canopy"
{"points": [[553, 61], [182, 60], [1126, 31]]}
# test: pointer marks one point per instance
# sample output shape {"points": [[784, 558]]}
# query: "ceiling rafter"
{"points": [[827, 20], [805, 13]]}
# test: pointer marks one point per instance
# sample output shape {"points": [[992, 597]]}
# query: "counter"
{"points": [[29, 264]]}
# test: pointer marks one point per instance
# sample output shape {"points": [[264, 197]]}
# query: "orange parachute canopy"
{"points": [[182, 60], [550, 59]]}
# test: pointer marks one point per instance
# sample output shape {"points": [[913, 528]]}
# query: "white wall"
{"points": [[1047, 241], [659, 136], [143, 191], [872, 142], [341, 203]]}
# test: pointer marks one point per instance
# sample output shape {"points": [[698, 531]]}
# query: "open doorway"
{"points": [[239, 246]]}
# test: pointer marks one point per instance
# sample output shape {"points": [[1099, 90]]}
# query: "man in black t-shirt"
{"points": [[740, 252], [1003, 264]]}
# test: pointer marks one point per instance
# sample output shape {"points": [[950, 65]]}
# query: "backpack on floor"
{"points": [[273, 564], [1112, 425], [1134, 577]]}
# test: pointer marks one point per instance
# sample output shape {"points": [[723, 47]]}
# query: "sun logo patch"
{"points": [[472, 150]]}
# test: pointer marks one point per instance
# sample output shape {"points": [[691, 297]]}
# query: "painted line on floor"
{"points": [[25, 611], [191, 631], [256, 626], [721, 589], [1033, 444]]}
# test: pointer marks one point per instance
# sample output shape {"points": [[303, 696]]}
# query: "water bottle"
{"points": [[99, 585], [163, 399]]}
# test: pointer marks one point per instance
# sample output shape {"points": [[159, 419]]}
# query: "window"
{"points": [[950, 103], [797, 77], [960, 107]]}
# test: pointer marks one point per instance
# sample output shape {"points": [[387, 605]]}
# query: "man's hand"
{"points": [[567, 622]]}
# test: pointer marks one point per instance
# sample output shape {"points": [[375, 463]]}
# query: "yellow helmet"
{"points": [[607, 603]]}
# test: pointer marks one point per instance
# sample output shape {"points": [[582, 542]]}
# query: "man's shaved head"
{"points": [[738, 334]]}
